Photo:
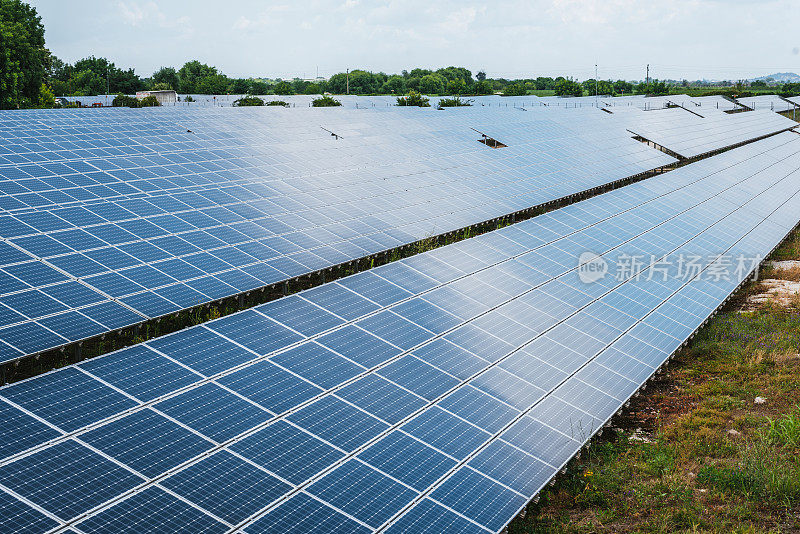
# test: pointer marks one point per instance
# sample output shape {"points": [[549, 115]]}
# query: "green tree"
{"points": [[248, 100], [240, 86], [515, 89], [483, 88], [456, 87], [565, 87], [167, 76], [113, 79], [257, 87], [432, 84], [481, 76], [149, 102], [46, 97], [394, 84], [325, 102], [413, 98], [161, 86], [283, 88], [24, 60], [192, 73], [215, 84]]}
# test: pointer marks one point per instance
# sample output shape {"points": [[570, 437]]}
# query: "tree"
{"points": [[167, 76], [215, 84], [483, 88], [23, 57], [192, 73], [248, 100], [325, 102], [432, 84], [46, 97], [515, 89], [124, 101], [114, 80], [149, 102], [394, 84], [160, 86], [283, 88], [257, 87], [565, 87], [413, 98], [481, 76], [456, 87], [240, 86]]}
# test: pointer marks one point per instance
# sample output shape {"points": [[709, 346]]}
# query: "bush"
{"points": [[277, 103], [124, 101], [188, 98], [516, 89], [149, 102], [413, 98], [453, 102], [325, 102], [248, 100]]}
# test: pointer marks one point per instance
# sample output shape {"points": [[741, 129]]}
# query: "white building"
{"points": [[163, 97]]}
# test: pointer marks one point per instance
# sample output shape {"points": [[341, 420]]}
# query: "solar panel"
{"points": [[207, 204], [453, 424], [697, 137]]}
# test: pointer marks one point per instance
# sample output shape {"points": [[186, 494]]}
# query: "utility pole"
{"points": [[348, 81], [647, 80], [107, 85], [595, 85]]}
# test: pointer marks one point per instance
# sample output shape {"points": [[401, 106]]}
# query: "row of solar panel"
{"points": [[72, 273], [439, 391]]}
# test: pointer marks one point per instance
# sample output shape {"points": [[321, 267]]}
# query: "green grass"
{"points": [[541, 92]]}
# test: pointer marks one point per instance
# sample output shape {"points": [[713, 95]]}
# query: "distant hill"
{"points": [[781, 77]]}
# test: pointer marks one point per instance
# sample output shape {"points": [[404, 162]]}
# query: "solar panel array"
{"points": [[771, 102], [110, 220], [437, 393], [697, 137]]}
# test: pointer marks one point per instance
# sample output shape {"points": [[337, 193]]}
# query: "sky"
{"points": [[693, 39]]}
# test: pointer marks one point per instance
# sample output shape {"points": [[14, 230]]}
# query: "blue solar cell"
{"points": [[479, 408], [150, 304], [21, 431], [227, 486], [450, 358], [446, 432], [140, 372], [359, 346], [428, 517], [30, 338], [164, 513], [318, 365], [112, 315], [41, 246], [213, 412], [35, 273], [478, 498], [73, 326], [73, 294], [300, 315], [255, 332], [512, 467], [419, 377], [159, 444], [394, 329], [21, 518], [302, 514], [271, 387], [408, 460], [68, 398], [53, 476], [9, 254], [338, 423], [375, 288], [363, 492], [381, 398], [33, 303], [287, 451]]}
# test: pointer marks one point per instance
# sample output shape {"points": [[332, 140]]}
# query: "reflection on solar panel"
{"points": [[770, 102], [110, 220], [457, 383], [703, 135]]}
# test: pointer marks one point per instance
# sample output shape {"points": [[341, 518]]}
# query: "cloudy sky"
{"points": [[715, 39]]}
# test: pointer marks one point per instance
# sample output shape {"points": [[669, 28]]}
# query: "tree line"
{"points": [[30, 76]]}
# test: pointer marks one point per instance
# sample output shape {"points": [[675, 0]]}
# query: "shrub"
{"points": [[124, 101], [454, 102], [277, 103], [188, 98], [149, 102], [516, 89], [248, 100], [325, 102], [413, 98]]}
